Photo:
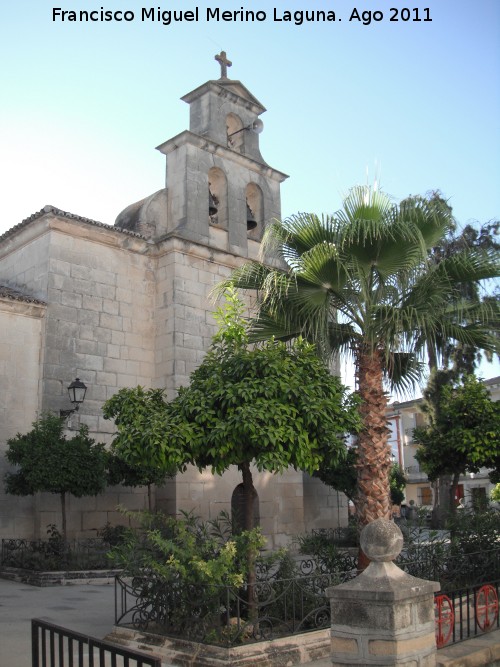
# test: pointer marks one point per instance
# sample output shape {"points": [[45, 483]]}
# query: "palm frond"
{"points": [[403, 370]]}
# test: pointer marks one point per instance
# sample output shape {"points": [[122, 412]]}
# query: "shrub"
{"points": [[183, 570], [325, 555]]}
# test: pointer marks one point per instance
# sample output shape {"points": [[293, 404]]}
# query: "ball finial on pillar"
{"points": [[381, 540]]}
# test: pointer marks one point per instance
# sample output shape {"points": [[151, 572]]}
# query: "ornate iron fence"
{"points": [[89, 553], [226, 616], [466, 613], [277, 607], [455, 572]]}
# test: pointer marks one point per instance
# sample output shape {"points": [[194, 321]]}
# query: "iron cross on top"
{"points": [[224, 64]]}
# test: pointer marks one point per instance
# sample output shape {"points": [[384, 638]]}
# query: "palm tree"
{"points": [[359, 282]]}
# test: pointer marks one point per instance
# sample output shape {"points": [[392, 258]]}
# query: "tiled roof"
{"points": [[64, 214], [17, 295]]}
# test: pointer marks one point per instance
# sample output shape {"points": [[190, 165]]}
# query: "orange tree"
{"points": [[46, 460], [463, 434], [272, 406]]}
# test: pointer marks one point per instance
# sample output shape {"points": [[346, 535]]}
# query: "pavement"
{"points": [[89, 609], [85, 608]]}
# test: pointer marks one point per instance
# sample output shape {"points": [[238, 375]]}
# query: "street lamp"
{"points": [[76, 390]]}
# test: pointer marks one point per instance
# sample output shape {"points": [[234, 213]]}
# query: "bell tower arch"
{"points": [[223, 138]]}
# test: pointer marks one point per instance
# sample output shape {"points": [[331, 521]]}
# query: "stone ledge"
{"points": [[483, 650], [58, 578], [282, 652]]}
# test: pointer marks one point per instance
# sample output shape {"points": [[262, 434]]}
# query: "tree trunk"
{"points": [[63, 512], [442, 507], [454, 494], [373, 499], [248, 522]]}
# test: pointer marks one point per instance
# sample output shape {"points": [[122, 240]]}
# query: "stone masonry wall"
{"points": [[122, 311], [20, 345]]}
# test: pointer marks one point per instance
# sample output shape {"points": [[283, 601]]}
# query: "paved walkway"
{"points": [[85, 608], [89, 609]]}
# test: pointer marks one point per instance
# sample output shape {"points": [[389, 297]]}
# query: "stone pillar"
{"points": [[384, 616]]}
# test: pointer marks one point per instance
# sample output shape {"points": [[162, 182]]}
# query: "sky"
{"points": [[412, 103]]}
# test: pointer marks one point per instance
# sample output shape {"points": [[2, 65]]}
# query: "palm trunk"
{"points": [[374, 461]]}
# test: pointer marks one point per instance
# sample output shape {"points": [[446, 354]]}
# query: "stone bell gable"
{"points": [[217, 161], [129, 304]]}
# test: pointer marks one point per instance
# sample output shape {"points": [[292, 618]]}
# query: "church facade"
{"points": [[126, 305]]}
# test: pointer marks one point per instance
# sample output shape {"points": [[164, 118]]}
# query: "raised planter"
{"points": [[293, 650], [59, 577]]}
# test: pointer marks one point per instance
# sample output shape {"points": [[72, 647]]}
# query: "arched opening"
{"points": [[238, 508], [217, 197], [255, 210], [235, 133]]}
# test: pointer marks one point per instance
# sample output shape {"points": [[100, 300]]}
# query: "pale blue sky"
{"points": [[416, 103]]}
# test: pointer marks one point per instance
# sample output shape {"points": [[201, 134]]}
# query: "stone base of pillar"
{"points": [[384, 616]]}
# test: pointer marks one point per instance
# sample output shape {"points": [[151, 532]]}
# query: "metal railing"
{"points": [[453, 572], [466, 613], [53, 646], [224, 615], [55, 554]]}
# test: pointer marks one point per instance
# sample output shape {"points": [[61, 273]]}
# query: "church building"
{"points": [[128, 304]]}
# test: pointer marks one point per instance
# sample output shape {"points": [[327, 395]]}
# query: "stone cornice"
{"points": [[77, 227], [51, 218], [204, 143], [61, 214], [232, 89], [20, 303], [173, 243]]}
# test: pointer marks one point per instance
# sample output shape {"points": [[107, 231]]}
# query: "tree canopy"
{"points": [[272, 406], [48, 461], [450, 359], [463, 434]]}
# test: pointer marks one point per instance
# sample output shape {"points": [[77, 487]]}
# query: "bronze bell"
{"points": [[251, 221], [212, 201]]}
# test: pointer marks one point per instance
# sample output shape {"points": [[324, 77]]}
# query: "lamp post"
{"points": [[76, 390]]}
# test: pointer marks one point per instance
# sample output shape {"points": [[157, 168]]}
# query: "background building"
{"points": [[403, 418]]}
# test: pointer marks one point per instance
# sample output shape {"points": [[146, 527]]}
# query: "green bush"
{"points": [[326, 555], [185, 572]]}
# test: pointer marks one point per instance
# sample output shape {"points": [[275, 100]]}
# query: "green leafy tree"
{"points": [[48, 461], [397, 484], [343, 477], [270, 406], [360, 282], [458, 358], [138, 474], [148, 434], [463, 435], [495, 494]]}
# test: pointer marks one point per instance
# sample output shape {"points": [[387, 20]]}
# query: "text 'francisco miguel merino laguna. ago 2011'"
{"points": [[167, 17]]}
